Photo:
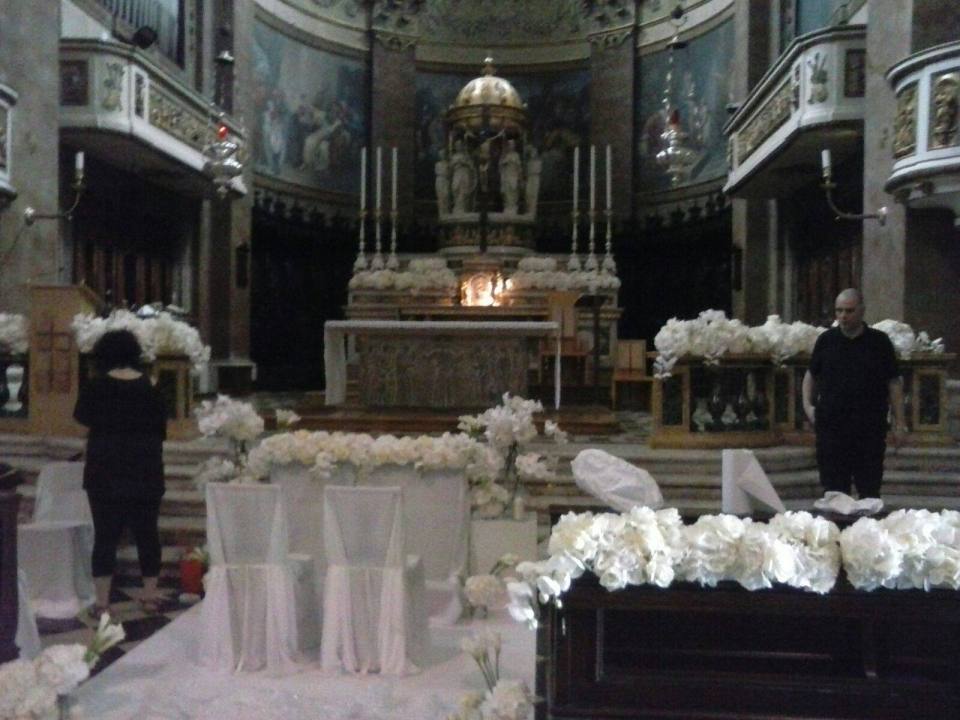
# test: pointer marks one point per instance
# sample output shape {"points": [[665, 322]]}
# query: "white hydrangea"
{"points": [[13, 333], [62, 667], [484, 591], [508, 700], [229, 418]]}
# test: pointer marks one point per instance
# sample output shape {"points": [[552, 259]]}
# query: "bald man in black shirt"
{"points": [[852, 382]]}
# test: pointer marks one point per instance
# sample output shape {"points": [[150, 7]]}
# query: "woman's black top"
{"points": [[128, 424]]}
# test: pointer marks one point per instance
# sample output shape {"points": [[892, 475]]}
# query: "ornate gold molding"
{"points": [[905, 122], [172, 117], [772, 115], [944, 100], [610, 39]]}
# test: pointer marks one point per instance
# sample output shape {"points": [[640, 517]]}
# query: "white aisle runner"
{"points": [[160, 680]]}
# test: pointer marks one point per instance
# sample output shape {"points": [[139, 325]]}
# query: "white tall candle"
{"points": [[379, 176], [825, 162], [78, 162], [393, 200], [576, 177], [609, 190], [593, 178], [363, 178]]}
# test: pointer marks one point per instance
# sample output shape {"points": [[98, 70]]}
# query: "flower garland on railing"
{"points": [[712, 335], [421, 274], [31, 689], [538, 273], [13, 334], [159, 334]]}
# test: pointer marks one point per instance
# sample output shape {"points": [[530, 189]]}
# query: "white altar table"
{"points": [[434, 363]]}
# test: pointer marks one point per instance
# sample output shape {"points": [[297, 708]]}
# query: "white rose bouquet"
{"points": [[235, 420], [13, 333]]}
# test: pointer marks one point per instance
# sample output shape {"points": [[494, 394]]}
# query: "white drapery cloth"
{"points": [[436, 526], [744, 485], [27, 638], [55, 550], [249, 612], [374, 615]]}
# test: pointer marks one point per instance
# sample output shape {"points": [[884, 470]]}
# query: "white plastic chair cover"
{"points": [[744, 485], [374, 616], [436, 526], [56, 548], [249, 613], [27, 638], [615, 481]]}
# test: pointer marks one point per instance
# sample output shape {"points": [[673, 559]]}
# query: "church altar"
{"points": [[436, 364]]}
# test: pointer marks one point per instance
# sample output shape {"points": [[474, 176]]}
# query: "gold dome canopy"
{"points": [[488, 102]]}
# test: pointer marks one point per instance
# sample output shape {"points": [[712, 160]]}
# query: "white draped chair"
{"points": [[55, 549], [436, 523], [374, 615], [249, 612]]}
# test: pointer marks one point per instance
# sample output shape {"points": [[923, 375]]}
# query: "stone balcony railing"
{"points": [[113, 88], [926, 136], [811, 98]]}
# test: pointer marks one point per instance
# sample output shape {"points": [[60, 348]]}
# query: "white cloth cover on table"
{"points": [[374, 616], [56, 548], [745, 486], [436, 526], [616, 482], [249, 612], [27, 638]]}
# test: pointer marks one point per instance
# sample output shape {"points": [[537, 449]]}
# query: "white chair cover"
{"points": [[613, 480], [249, 613], [374, 617], [436, 526], [56, 548], [27, 638], [745, 486]]}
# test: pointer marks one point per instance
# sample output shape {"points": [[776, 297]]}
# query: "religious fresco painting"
{"points": [[700, 89], [310, 109], [558, 106]]}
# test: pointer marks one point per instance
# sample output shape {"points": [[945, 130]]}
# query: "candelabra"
{"points": [[829, 186], [609, 264], [360, 263], [591, 263], [377, 262], [392, 262], [573, 264], [30, 214]]}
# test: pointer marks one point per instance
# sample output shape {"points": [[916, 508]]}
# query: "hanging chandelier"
{"points": [[677, 157], [221, 164]]}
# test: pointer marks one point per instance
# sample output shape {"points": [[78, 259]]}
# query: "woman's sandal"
{"points": [[151, 606]]}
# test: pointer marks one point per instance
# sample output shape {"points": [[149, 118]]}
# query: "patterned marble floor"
{"points": [[137, 624]]}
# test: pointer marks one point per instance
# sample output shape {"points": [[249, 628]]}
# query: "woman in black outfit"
{"points": [[123, 475]]}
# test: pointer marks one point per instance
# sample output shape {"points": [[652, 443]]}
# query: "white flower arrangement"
{"points": [[584, 280], [906, 549], [712, 335], [506, 428], [420, 274], [29, 689], [647, 547], [490, 591], [215, 469], [537, 264], [233, 419], [504, 699], [160, 334], [13, 334]]}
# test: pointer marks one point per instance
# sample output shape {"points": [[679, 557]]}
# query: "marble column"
{"points": [[753, 220]]}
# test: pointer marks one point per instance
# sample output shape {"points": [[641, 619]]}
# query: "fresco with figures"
{"points": [[701, 91], [558, 104], [310, 112]]}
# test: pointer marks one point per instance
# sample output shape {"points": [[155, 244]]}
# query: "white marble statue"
{"points": [[442, 184], [511, 168], [463, 178], [532, 186]]}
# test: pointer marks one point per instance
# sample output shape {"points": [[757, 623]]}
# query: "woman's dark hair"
{"points": [[117, 349]]}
